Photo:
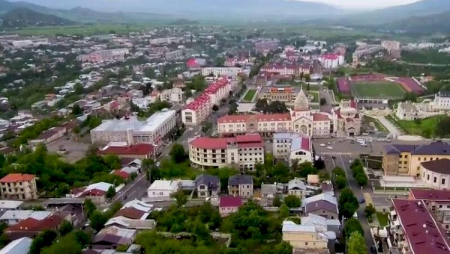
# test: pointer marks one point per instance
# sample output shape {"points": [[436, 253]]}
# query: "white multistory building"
{"points": [[221, 71]]}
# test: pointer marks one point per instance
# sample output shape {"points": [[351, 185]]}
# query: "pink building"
{"points": [[229, 205]]}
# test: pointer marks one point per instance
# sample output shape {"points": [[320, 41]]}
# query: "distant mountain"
{"points": [[397, 13], [429, 24], [23, 17], [205, 9]]}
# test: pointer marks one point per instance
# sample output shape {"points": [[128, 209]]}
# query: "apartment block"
{"points": [[18, 187]]}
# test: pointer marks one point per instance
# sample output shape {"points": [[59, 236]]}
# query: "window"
{"points": [[443, 181], [434, 179], [428, 177]]}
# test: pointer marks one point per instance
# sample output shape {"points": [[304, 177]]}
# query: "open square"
{"points": [[378, 90]]}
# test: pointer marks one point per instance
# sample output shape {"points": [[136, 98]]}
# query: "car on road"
{"points": [[361, 201], [329, 148], [322, 145]]}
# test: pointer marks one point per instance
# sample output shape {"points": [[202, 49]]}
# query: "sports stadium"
{"points": [[375, 90]]}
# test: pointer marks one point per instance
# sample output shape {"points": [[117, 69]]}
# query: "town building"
{"points": [[292, 146], [200, 109], [296, 187], [174, 95], [12, 217], [101, 56], [241, 151], [437, 202], [30, 227], [303, 237], [18, 246], [331, 60], [407, 111], [18, 187], [133, 131], [10, 205], [95, 192], [442, 100], [436, 174], [229, 205], [300, 119], [161, 190], [393, 48], [221, 71], [207, 186], [346, 119], [414, 230], [124, 150], [240, 185], [286, 94], [113, 237], [406, 160], [48, 136]]}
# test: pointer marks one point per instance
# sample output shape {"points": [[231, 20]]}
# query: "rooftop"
{"points": [[10, 204], [298, 141], [251, 140], [116, 148], [441, 166], [18, 246], [423, 233], [230, 201], [254, 118], [240, 179], [432, 195], [164, 185], [13, 178]]}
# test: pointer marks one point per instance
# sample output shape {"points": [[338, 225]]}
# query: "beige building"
{"points": [[242, 151], [303, 237], [407, 159], [436, 174], [407, 111], [241, 185], [277, 93], [174, 95], [19, 187], [346, 119], [299, 120]]}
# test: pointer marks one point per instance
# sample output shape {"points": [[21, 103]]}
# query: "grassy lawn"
{"points": [[375, 123], [382, 89], [249, 95], [315, 95], [382, 219], [423, 127]]}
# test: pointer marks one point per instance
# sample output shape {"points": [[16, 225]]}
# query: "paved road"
{"points": [[134, 190]]}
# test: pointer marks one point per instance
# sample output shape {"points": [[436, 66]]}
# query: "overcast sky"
{"points": [[365, 3]]}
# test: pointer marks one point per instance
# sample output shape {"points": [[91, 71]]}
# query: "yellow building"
{"points": [[406, 159], [303, 237]]}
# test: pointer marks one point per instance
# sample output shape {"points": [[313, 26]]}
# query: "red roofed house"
{"points": [[31, 227], [138, 151], [242, 151], [200, 109], [229, 205], [18, 187], [414, 230]]}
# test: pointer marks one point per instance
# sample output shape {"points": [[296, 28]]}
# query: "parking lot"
{"points": [[75, 150]]}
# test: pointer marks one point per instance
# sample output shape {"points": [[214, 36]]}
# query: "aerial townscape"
{"points": [[224, 127]]}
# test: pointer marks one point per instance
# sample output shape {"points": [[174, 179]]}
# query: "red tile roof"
{"points": [[121, 173], [435, 195], [130, 213], [253, 140], [33, 225], [320, 117], [139, 149], [12, 178], [229, 201], [94, 192], [262, 117], [422, 231]]}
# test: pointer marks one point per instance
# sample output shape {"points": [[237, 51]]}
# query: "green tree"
{"points": [[292, 201], [111, 192], [352, 225], [180, 198], [178, 153], [98, 220], [341, 182], [356, 244], [188, 93], [284, 211], [77, 110], [215, 107], [67, 244], [348, 204], [82, 238], [42, 240], [369, 211], [65, 228], [276, 201], [112, 161], [324, 176]]}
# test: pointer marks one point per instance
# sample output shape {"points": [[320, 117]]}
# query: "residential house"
{"points": [[324, 204], [207, 185], [241, 185], [13, 217], [31, 227], [125, 150], [126, 172], [96, 192], [292, 146], [229, 205], [174, 95], [18, 187], [161, 190], [407, 111], [18, 246], [113, 237], [9, 205], [268, 191], [49, 136], [297, 187]]}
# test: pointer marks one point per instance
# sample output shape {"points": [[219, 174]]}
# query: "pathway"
{"points": [[389, 126]]}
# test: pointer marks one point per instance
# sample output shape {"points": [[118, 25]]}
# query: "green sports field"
{"points": [[378, 90], [249, 95]]}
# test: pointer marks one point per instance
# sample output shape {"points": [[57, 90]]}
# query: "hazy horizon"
{"points": [[361, 4]]}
